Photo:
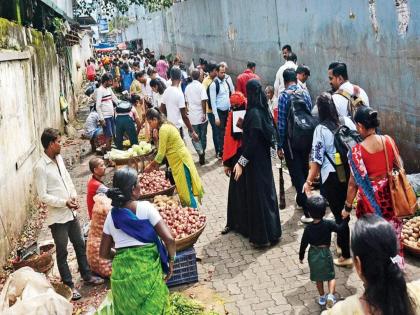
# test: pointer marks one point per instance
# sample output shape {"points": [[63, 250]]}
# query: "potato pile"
{"points": [[153, 182], [181, 221], [411, 232]]}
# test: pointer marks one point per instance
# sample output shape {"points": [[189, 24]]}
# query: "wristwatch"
{"points": [[347, 207]]}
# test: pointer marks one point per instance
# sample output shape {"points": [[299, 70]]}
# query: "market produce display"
{"points": [[100, 211], [411, 233], [182, 221], [140, 149], [153, 182]]}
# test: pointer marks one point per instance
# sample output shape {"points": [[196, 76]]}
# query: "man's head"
{"points": [[212, 70], [251, 66], [141, 76], [224, 65], [152, 73], [136, 66], [195, 74], [269, 91], [285, 50], [106, 80], [162, 57], [177, 61], [176, 75], [291, 56], [51, 141], [97, 166], [221, 71], [337, 74], [289, 77], [302, 73]]}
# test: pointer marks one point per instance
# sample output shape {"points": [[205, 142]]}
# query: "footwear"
{"points": [[343, 262], [94, 280], [202, 159], [226, 230], [305, 219], [330, 300], [75, 295], [219, 155], [297, 206], [322, 300]]}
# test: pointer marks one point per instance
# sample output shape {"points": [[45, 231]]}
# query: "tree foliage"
{"points": [[109, 7]]}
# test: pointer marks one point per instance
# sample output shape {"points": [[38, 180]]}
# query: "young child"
{"points": [[92, 129], [318, 235], [95, 184]]}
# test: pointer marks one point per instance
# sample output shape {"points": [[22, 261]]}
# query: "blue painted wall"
{"points": [[380, 58]]}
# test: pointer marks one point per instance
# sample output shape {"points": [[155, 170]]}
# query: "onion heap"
{"points": [[182, 221], [153, 182]]}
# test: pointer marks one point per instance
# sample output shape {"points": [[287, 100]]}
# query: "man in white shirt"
{"points": [[291, 60], [55, 188], [105, 108], [228, 78], [302, 74], [196, 98], [173, 105], [345, 93]]}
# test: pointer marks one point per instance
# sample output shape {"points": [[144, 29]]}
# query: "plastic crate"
{"points": [[185, 268]]}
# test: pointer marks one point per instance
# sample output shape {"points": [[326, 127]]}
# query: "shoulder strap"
{"points": [[217, 86], [386, 154], [397, 157], [343, 93]]}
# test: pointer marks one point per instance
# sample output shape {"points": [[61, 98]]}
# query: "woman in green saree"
{"points": [[135, 229]]}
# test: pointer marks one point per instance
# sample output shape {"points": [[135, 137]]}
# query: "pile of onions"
{"points": [[153, 182]]}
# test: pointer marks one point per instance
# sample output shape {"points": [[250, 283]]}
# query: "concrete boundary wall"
{"points": [[379, 41], [30, 86]]}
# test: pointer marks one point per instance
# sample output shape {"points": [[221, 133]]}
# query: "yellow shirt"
{"points": [[135, 87], [352, 306], [206, 83]]}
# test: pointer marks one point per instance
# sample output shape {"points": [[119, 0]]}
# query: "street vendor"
{"points": [[171, 146]]}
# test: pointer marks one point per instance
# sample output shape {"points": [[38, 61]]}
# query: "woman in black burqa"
{"points": [[259, 135]]}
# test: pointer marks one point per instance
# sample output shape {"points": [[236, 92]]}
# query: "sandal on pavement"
{"points": [[343, 262], [95, 280], [226, 230], [75, 295]]}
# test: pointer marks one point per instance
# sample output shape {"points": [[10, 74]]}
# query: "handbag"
{"points": [[403, 198]]}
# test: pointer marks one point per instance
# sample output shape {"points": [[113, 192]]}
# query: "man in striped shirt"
{"points": [[105, 108]]}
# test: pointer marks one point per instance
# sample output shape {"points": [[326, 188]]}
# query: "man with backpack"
{"points": [[347, 97], [296, 126], [220, 91]]}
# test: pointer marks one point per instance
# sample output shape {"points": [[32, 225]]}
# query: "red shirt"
{"points": [[94, 187], [376, 163], [243, 78]]}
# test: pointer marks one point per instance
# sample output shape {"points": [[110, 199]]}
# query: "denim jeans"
{"points": [[298, 164], [215, 132], [61, 233], [201, 144], [125, 125], [223, 116]]}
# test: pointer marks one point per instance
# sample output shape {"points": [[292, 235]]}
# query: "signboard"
{"points": [[103, 26]]}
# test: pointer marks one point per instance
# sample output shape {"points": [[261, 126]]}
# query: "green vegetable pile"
{"points": [[181, 305]]}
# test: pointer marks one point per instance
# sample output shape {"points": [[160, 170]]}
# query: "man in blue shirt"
{"points": [[220, 91], [296, 160]]}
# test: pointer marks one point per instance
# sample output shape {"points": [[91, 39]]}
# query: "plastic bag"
{"points": [[100, 211], [30, 293]]}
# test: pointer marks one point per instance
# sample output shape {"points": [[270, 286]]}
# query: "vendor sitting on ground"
{"points": [[171, 146], [95, 184], [135, 229], [92, 129]]}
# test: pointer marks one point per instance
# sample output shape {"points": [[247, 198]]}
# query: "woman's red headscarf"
{"points": [[230, 144]]}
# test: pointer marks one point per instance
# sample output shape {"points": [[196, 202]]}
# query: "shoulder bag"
{"points": [[403, 197]]}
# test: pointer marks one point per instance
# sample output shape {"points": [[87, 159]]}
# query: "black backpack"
{"points": [[300, 123], [344, 140], [217, 90]]}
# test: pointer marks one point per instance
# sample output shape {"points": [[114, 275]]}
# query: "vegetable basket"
{"points": [[40, 263], [412, 250], [168, 192], [190, 240]]}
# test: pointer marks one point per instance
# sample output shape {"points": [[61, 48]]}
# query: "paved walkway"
{"points": [[247, 280]]}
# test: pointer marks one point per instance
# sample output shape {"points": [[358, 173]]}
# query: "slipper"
{"points": [[226, 230], [75, 295], [95, 280]]}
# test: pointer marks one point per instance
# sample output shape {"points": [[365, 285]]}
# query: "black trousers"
{"points": [[223, 116], [336, 192], [298, 164], [61, 234]]}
